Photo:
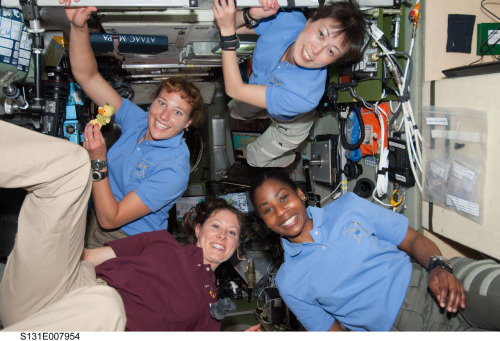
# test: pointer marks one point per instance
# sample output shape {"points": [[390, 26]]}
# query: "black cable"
{"points": [[477, 61], [488, 45], [395, 60], [410, 66], [383, 81], [384, 41], [485, 42], [343, 138], [482, 2], [387, 43], [495, 43], [405, 96]]}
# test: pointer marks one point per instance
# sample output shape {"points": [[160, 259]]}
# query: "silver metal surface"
{"points": [[321, 161]]}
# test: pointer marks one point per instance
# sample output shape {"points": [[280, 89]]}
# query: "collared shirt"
{"points": [[164, 286], [157, 171], [291, 90], [352, 272]]}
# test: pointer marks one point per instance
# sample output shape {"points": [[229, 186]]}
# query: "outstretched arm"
{"points": [[228, 20], [99, 255], [266, 9], [448, 289], [83, 62], [67, 2], [110, 213]]}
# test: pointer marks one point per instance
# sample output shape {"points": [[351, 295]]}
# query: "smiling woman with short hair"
{"points": [[148, 166], [289, 68]]}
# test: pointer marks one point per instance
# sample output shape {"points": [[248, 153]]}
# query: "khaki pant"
{"points": [[44, 276], [95, 236], [481, 279], [275, 147]]}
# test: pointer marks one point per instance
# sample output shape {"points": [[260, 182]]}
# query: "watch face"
{"points": [[98, 164], [438, 261], [98, 176], [447, 266]]}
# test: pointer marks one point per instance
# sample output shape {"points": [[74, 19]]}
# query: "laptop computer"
{"points": [[239, 200], [240, 173]]}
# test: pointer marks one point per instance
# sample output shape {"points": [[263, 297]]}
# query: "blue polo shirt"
{"points": [[352, 272], [157, 171], [291, 90]]}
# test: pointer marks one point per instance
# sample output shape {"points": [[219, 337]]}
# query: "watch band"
{"points": [[248, 18], [98, 164], [228, 38], [229, 43], [439, 261], [98, 176]]}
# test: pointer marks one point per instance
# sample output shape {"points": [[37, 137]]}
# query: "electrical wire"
{"points": [[383, 160], [383, 163], [487, 10], [387, 85], [402, 205], [331, 193], [396, 198], [374, 197], [413, 136], [485, 42], [488, 45], [343, 138]]}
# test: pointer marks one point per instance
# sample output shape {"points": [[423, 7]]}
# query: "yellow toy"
{"points": [[104, 115]]}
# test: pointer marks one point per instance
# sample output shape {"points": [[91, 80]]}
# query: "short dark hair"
{"points": [[204, 210], [273, 174], [189, 92], [351, 23]]}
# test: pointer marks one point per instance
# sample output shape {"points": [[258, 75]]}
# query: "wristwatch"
{"points": [[98, 176], [98, 164], [441, 262], [248, 19], [229, 43]]}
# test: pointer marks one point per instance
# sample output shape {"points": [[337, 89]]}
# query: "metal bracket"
{"points": [[321, 161]]}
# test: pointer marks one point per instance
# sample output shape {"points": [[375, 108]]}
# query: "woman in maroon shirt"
{"points": [[148, 281], [165, 285]]}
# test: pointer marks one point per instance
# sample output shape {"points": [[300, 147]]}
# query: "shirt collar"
{"points": [[317, 216], [195, 254], [172, 142]]}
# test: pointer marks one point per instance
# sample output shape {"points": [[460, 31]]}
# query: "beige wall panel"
{"points": [[479, 93], [435, 19]]}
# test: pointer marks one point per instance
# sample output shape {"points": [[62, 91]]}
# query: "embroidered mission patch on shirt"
{"points": [[141, 169], [355, 230], [210, 291]]}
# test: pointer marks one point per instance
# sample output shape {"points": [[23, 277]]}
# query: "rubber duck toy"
{"points": [[104, 114]]}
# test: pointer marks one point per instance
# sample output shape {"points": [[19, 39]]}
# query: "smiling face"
{"points": [[168, 115], [317, 45], [218, 237], [283, 210]]}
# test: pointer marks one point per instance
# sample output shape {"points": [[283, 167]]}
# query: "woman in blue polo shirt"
{"points": [[347, 266], [147, 168], [289, 66]]}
